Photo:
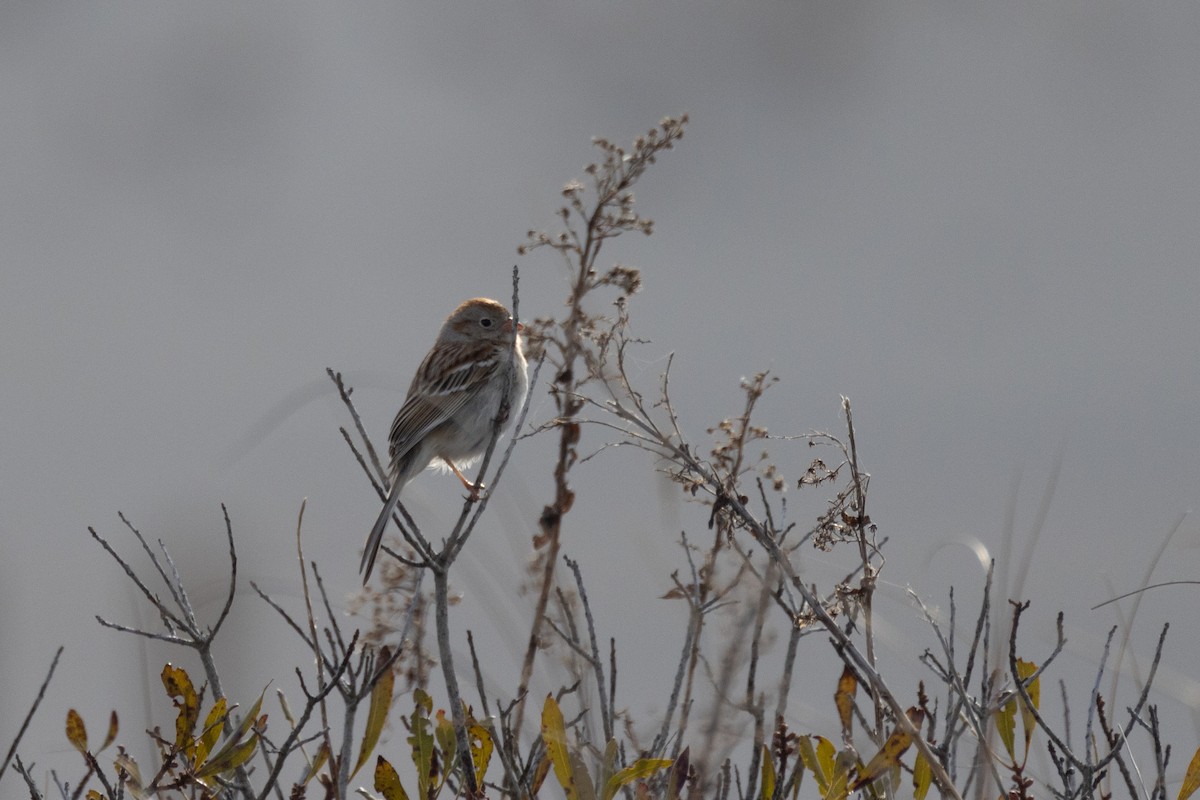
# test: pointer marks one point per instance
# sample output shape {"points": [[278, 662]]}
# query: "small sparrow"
{"points": [[452, 402]]}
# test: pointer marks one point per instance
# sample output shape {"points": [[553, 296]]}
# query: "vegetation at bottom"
{"points": [[367, 724]]}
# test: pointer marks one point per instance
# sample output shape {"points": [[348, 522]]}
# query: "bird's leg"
{"points": [[468, 484]]}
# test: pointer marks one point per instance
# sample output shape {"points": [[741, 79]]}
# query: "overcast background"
{"points": [[978, 221]]}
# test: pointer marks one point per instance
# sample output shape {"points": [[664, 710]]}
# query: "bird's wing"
{"points": [[438, 391]]}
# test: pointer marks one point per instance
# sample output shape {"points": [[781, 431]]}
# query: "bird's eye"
{"points": [[486, 322]]}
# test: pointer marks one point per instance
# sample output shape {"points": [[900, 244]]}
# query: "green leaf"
{"points": [[179, 688], [76, 732], [387, 782], [377, 713]]}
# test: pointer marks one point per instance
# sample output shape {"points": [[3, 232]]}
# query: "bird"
{"points": [[453, 401]]}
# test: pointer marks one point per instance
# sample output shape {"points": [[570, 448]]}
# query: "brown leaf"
{"points": [[76, 732], [889, 755], [844, 699]]}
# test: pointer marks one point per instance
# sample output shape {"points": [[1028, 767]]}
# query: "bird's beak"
{"points": [[508, 326]]}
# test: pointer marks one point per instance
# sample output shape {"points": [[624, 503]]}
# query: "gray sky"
{"points": [[978, 221]]}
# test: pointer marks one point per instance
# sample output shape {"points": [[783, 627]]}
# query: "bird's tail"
{"points": [[376, 538]]}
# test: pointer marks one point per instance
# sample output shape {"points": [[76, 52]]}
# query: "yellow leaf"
{"points": [[76, 732], [608, 765], [319, 761], [1025, 669], [387, 782], [808, 757], [768, 774], [230, 758], [827, 755], [421, 742], [889, 755], [179, 688], [481, 750], [447, 741], [377, 712], [211, 731], [1006, 725], [94, 795], [642, 768], [250, 718], [839, 782], [236, 750], [554, 734], [922, 778], [844, 699], [1191, 778]]}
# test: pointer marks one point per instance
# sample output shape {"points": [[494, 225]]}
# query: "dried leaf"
{"points": [[111, 735], [76, 732], [127, 768], [847, 686], [540, 773], [889, 755], [584, 787], [679, 774]]}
